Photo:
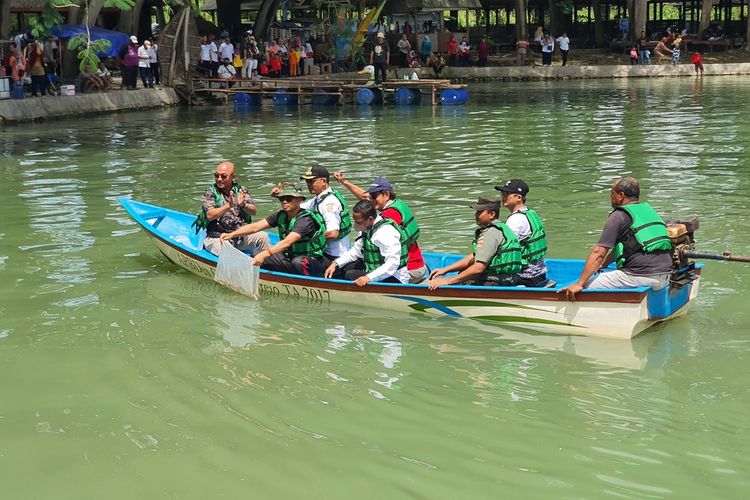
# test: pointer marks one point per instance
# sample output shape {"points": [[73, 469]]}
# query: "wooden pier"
{"points": [[304, 90]]}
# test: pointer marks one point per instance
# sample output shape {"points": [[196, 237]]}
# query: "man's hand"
{"points": [[330, 270], [362, 281], [260, 258], [276, 190], [241, 198], [571, 291], [227, 236], [339, 176], [437, 272], [434, 283]]}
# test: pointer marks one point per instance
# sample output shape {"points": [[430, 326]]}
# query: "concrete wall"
{"points": [[41, 108], [560, 72]]}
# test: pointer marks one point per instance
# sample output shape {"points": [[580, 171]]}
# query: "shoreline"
{"points": [[30, 109]]}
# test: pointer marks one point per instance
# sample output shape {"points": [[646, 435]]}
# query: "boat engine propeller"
{"points": [[681, 234]]}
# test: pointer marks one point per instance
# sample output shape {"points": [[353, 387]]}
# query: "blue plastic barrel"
{"points": [[322, 97], [17, 92], [452, 97], [366, 96], [407, 97], [282, 97], [241, 98]]}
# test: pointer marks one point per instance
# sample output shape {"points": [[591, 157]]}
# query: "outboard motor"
{"points": [[682, 236]]}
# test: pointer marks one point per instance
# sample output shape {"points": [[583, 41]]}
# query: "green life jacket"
{"points": [[647, 233], [201, 219], [372, 256], [312, 245], [408, 223], [507, 258], [346, 219], [534, 247]]}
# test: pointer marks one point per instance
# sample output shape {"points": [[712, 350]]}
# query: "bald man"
{"points": [[227, 206]]}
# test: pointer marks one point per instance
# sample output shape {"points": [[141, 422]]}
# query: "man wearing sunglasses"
{"points": [[228, 206], [302, 237]]}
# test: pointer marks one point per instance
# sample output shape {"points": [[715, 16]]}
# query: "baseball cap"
{"points": [[486, 203], [379, 185], [516, 186], [146, 43], [134, 39], [380, 35], [289, 189], [315, 172]]}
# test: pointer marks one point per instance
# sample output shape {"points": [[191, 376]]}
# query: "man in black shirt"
{"points": [[636, 238], [380, 57]]}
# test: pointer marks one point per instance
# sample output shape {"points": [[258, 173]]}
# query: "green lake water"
{"points": [[126, 377]]}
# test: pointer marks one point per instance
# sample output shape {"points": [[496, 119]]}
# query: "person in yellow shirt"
{"points": [[294, 56]]}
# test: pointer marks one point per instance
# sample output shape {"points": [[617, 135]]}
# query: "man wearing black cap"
{"points": [[496, 256], [332, 207], [529, 230], [301, 236], [389, 207]]}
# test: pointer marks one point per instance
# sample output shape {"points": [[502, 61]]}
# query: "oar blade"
{"points": [[235, 270]]}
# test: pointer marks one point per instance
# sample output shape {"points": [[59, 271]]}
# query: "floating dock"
{"points": [[328, 91]]}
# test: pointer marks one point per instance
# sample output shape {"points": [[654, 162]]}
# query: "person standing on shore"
{"points": [[522, 46], [697, 61], [144, 65], [548, 47], [154, 63], [452, 50], [380, 57], [130, 64], [643, 49], [403, 50], [564, 43]]}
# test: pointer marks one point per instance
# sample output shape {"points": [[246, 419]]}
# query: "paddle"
{"points": [[235, 270], [715, 256]]}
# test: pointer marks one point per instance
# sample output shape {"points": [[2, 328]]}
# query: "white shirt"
{"points": [[213, 51], [563, 42], [153, 53], [143, 52], [388, 241], [226, 71], [519, 224], [330, 209], [205, 52], [548, 45], [227, 51]]}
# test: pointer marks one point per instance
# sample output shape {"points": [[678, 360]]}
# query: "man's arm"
{"points": [[357, 191], [354, 253], [253, 228], [388, 242], [471, 272], [460, 265]]}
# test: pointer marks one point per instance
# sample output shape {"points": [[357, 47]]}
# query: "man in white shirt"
{"points": [[205, 61], [227, 72], [330, 204], [226, 49], [564, 42], [379, 248], [214, 54], [154, 63], [144, 66]]}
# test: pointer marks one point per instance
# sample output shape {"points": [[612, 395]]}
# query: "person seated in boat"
{"points": [[329, 203], [302, 239], [635, 238], [380, 249], [528, 228], [496, 252], [382, 194], [227, 206]]}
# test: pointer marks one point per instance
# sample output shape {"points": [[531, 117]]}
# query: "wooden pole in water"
{"points": [[715, 256]]}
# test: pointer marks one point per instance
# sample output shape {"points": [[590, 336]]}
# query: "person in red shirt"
{"points": [[275, 65], [697, 61], [483, 52], [452, 50], [382, 194]]}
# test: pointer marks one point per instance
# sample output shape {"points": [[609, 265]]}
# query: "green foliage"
{"points": [[119, 4], [41, 25], [566, 6], [87, 49]]}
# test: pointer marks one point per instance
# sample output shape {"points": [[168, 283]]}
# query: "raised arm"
{"points": [[357, 191]]}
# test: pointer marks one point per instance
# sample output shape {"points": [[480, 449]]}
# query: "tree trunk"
{"points": [[4, 19], [598, 23], [747, 31], [640, 10], [129, 19], [706, 8], [73, 13], [522, 29], [631, 21], [554, 18], [94, 8]]}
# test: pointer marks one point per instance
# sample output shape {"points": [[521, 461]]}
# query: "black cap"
{"points": [[316, 172], [516, 186], [486, 203]]}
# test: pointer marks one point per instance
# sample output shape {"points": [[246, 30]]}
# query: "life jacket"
{"points": [[647, 233], [507, 258], [201, 219], [346, 219], [408, 223], [371, 253], [311, 245], [534, 247]]}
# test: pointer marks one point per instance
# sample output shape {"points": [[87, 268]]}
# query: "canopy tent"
{"points": [[118, 40]]}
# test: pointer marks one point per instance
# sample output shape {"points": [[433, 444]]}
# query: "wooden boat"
{"points": [[620, 313]]}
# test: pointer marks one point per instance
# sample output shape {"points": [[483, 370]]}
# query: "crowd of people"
{"points": [[314, 235]]}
